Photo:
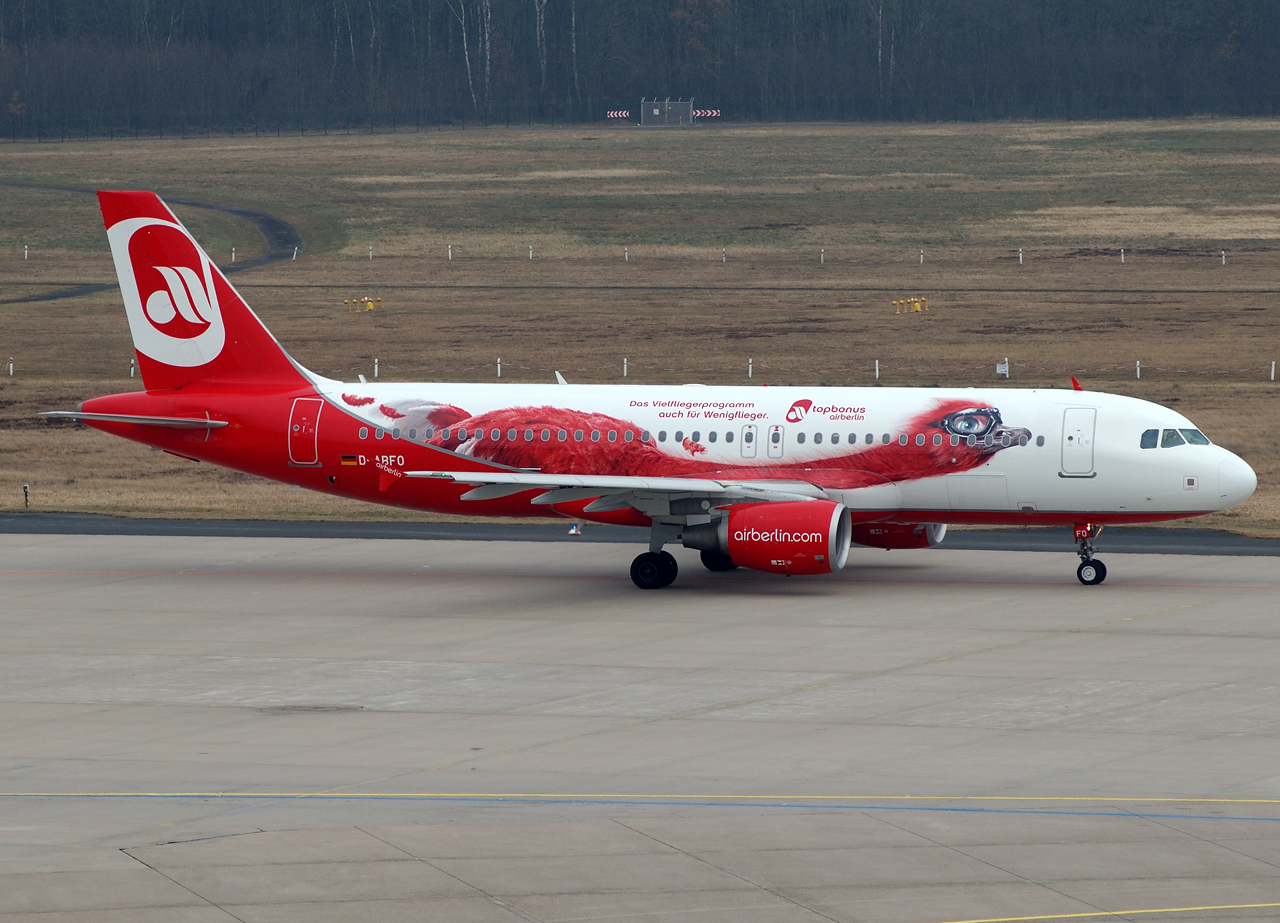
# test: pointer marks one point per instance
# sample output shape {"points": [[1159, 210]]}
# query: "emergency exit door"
{"points": [[304, 431], [1078, 425], [777, 441], [748, 441]]}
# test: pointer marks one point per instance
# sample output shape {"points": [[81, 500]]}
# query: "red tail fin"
{"points": [[188, 323]]}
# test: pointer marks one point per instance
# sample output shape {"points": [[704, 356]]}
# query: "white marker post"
{"points": [[1224, 257], [132, 364], [11, 366], [1019, 256], [626, 257], [1122, 256], [530, 251], [1137, 370], [370, 251], [450, 253], [295, 253], [749, 361], [921, 257], [724, 254], [1273, 370], [624, 367], [822, 257], [233, 254], [24, 252], [877, 370], [375, 368], [499, 366]]}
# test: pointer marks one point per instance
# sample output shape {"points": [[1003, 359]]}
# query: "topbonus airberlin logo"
{"points": [[169, 294], [799, 410]]}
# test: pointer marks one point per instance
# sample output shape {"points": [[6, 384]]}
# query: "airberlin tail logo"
{"points": [[799, 410], [169, 292]]}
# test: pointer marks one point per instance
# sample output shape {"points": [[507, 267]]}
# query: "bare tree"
{"points": [[540, 33], [460, 13]]}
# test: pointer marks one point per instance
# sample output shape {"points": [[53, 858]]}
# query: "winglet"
{"points": [[1075, 385], [560, 379]]}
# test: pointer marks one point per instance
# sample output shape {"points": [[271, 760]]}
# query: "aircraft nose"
{"points": [[1236, 482]]}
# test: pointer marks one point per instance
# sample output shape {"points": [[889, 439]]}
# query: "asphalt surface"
{"points": [[281, 237], [280, 729], [1119, 540]]}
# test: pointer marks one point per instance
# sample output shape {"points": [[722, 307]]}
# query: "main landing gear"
{"points": [[1091, 571], [654, 570]]}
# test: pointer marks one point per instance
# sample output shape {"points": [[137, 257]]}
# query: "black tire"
{"points": [[714, 560], [673, 569], [650, 572], [1091, 573]]}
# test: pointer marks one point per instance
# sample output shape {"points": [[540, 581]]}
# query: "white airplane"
{"points": [[775, 479]]}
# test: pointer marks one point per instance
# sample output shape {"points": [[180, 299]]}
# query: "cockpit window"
{"points": [[1171, 438], [1195, 437], [1150, 438]]}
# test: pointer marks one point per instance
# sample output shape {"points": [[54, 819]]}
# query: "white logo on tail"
{"points": [[169, 294]]}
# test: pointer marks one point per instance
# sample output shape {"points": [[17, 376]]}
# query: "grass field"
{"points": [[1173, 194]]}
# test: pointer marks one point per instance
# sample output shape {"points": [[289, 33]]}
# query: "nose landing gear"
{"points": [[1091, 571]]}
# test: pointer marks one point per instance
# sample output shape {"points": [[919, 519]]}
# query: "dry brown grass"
{"points": [[1173, 194]]}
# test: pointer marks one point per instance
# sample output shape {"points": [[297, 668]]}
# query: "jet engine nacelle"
{"points": [[799, 537], [890, 535]]}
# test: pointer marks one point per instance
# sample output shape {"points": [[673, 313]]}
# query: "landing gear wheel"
{"points": [[1092, 572], [714, 560], [669, 562], [653, 570]]}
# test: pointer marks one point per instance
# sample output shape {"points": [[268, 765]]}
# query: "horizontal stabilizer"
{"points": [[139, 419]]}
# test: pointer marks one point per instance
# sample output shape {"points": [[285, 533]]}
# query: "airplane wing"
{"points": [[615, 492]]}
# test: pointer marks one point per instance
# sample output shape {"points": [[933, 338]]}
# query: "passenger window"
{"points": [[799, 438], [728, 437], [644, 436], [379, 433], [561, 435], [364, 432], [679, 435], [395, 433], [887, 439], [835, 438], [919, 438], [662, 435], [853, 437], [817, 438], [1195, 437], [462, 433], [528, 435], [750, 436], [628, 436], [413, 434], [577, 435], [595, 435], [1039, 440], [546, 435], [1150, 438], [444, 434], [902, 439], [430, 433], [512, 434], [775, 437], [697, 436], [711, 436], [937, 438], [496, 435], [1171, 438], [613, 435], [955, 440]]}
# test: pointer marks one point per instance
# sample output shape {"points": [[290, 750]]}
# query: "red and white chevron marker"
{"points": [[706, 113], [618, 114]]}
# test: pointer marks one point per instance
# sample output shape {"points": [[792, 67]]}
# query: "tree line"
{"points": [[98, 66]]}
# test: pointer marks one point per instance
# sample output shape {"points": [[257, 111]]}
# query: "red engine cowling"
{"points": [[799, 537], [890, 535]]}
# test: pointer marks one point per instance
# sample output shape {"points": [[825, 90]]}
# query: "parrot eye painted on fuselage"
{"points": [[976, 421]]}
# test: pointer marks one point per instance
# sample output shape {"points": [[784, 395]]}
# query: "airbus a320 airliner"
{"points": [[774, 479]]}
